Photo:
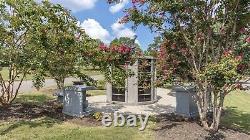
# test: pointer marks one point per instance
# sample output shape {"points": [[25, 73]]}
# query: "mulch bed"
{"points": [[22, 111], [53, 110], [172, 127]]}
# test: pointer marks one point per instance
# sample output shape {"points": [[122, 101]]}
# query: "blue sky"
{"points": [[99, 19]]}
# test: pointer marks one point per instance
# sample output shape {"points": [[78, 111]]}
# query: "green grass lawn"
{"points": [[237, 114], [91, 72], [50, 129], [36, 98]]}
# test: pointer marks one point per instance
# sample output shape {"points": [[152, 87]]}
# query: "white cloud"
{"points": [[117, 26], [76, 5], [120, 30], [94, 29], [125, 33], [118, 7]]}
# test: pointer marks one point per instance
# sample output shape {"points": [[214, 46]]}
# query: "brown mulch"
{"points": [[53, 110], [22, 111], [171, 127]]}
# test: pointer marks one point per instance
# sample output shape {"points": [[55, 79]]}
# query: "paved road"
{"points": [[27, 86]]}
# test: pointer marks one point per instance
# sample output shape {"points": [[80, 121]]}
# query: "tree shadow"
{"points": [[172, 93], [167, 126], [46, 121], [160, 109], [158, 98], [236, 120]]}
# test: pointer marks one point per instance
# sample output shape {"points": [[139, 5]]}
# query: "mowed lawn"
{"points": [[237, 115], [47, 129]]}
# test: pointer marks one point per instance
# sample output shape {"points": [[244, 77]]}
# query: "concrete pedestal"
{"points": [[185, 102], [74, 101]]}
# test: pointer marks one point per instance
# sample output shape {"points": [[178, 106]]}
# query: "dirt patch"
{"points": [[169, 128]]}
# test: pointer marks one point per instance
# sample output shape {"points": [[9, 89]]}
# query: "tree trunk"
{"points": [[60, 83], [217, 111], [202, 113], [203, 108], [7, 97], [8, 94]]}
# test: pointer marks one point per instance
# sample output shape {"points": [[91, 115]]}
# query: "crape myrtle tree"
{"points": [[41, 39], [127, 57], [62, 42], [155, 50], [207, 41], [18, 21], [118, 55], [128, 42]]}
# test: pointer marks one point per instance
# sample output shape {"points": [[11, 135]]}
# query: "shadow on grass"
{"points": [[236, 120], [33, 98], [46, 121]]}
